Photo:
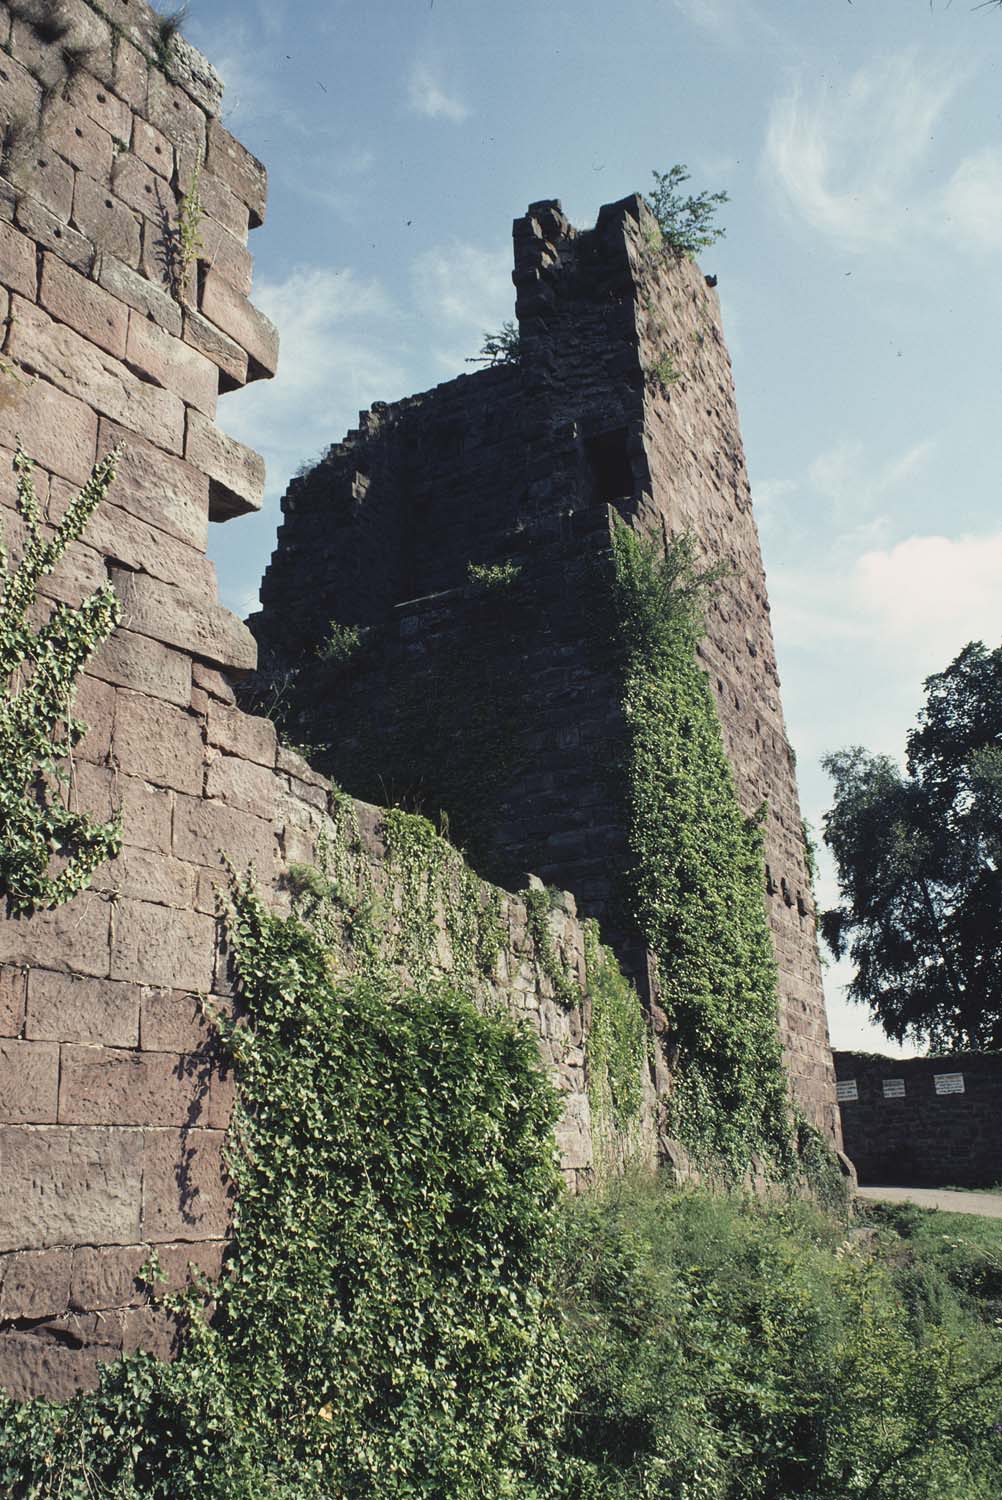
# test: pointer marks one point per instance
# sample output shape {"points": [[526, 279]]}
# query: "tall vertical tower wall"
{"points": [[531, 464]]}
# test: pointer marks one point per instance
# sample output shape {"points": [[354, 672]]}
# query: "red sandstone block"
{"points": [[152, 147], [13, 984], [173, 1021], [149, 876], [36, 1366], [146, 191], [17, 261], [243, 174], [136, 24], [65, 1186], [108, 1086], [235, 471], [107, 1276], [95, 705], [94, 790], [196, 75], [135, 290], [204, 831], [73, 299], [147, 812], [229, 309], [186, 1193], [217, 346], [81, 369], [131, 71], [163, 491], [174, 365], [73, 937], [137, 662], [161, 945], [247, 735], [179, 118], [117, 534], [157, 741], [177, 1261], [223, 205], [57, 430], [198, 625], [223, 253], [53, 234], [212, 682], [78, 139], [35, 1284], [22, 94], [49, 180], [86, 30], [103, 218], [66, 1008], [29, 1073], [102, 106], [242, 784], [159, 262]]}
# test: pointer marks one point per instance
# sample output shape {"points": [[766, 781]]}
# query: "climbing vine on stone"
{"points": [[48, 850]]}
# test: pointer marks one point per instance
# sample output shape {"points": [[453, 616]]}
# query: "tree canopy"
{"points": [[919, 859]]}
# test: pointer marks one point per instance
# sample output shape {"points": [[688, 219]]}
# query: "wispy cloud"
{"points": [[844, 494], [972, 202], [426, 94], [844, 155], [462, 290], [717, 16]]}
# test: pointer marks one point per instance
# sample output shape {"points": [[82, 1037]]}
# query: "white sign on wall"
{"points": [[949, 1083], [846, 1088], [894, 1088]]}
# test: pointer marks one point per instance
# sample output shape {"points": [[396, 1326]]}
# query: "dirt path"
{"points": [[988, 1205]]}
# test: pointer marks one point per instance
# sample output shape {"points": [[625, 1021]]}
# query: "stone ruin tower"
{"points": [[487, 704]]}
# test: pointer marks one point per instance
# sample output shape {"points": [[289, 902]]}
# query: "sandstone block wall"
{"points": [[900, 1129], [622, 398], [113, 1103]]}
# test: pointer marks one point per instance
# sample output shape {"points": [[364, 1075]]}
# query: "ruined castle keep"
{"points": [[619, 406], [113, 1105]]}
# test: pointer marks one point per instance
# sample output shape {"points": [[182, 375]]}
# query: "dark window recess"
{"points": [[609, 465]]}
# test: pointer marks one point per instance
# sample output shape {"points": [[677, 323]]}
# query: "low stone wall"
{"points": [[928, 1121]]}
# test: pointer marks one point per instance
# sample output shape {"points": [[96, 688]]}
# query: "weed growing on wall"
{"points": [[686, 224], [48, 850], [617, 1041], [696, 876]]}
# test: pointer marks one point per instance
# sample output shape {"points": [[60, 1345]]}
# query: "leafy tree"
{"points": [[919, 859], [500, 348], [686, 224]]}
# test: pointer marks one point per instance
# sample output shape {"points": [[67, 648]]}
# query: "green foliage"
{"points": [[501, 348], [48, 850], [168, 29], [384, 1324], [617, 1041], [686, 224], [538, 906], [189, 216], [696, 878], [342, 644], [494, 576], [664, 371], [731, 1350], [919, 859]]}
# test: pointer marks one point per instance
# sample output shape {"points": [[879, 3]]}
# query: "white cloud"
{"points": [[844, 155], [934, 593], [718, 16], [427, 96], [462, 290], [972, 202]]}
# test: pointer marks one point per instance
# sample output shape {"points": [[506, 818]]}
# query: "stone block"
{"points": [[196, 75], [166, 492], [28, 1082], [147, 812], [107, 1276], [13, 985], [243, 174], [149, 875], [91, 1012], [212, 682], [241, 784], [175, 1021], [84, 371], [36, 1366], [153, 147], [17, 261], [35, 1284], [21, 93], [88, 309], [95, 705], [52, 233], [122, 281], [225, 256], [78, 139], [230, 310], [186, 1193], [136, 25], [203, 831], [49, 180], [236, 472], [85, 30], [200, 626], [247, 735], [73, 937], [158, 741], [161, 945], [109, 1086], [104, 107], [107, 221], [216, 345], [148, 193], [131, 71], [69, 1186], [176, 366], [171, 110], [223, 205], [137, 662]]}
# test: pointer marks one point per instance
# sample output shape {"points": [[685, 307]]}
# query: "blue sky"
{"points": [[861, 144]]}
